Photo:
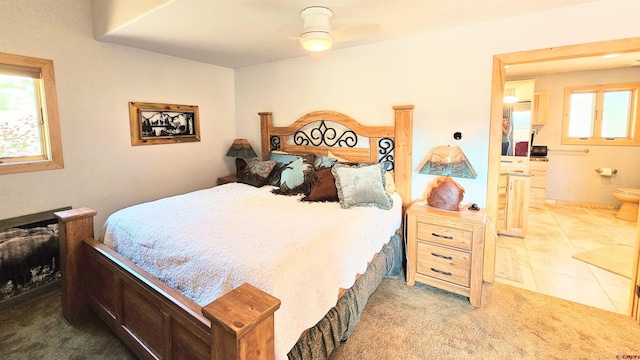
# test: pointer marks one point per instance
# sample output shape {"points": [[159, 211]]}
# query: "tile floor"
{"points": [[544, 257]]}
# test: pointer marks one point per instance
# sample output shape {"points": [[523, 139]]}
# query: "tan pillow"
{"points": [[389, 183]]}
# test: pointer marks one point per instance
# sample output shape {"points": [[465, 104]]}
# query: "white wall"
{"points": [[95, 82], [578, 168], [446, 75]]}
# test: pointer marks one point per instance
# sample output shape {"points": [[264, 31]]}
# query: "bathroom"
{"points": [[576, 191], [573, 175]]}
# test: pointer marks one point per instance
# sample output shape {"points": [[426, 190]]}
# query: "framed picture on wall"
{"points": [[153, 123]]}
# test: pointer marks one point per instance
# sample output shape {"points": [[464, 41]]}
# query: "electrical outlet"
{"points": [[569, 187]]}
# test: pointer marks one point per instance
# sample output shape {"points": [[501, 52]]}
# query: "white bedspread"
{"points": [[208, 242]]}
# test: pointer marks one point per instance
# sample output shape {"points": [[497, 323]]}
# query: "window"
{"points": [[601, 115], [29, 125]]}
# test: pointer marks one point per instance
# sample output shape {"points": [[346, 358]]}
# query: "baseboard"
{"points": [[581, 204]]}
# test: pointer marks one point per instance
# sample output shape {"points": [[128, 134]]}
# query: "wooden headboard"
{"points": [[317, 133]]}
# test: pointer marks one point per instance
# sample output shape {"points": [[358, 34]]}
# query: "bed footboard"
{"points": [[154, 320]]}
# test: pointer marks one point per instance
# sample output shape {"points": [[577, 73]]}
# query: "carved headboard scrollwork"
{"points": [[319, 132]]}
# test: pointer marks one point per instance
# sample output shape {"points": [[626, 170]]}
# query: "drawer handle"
{"points": [[442, 256], [442, 236], [441, 272]]}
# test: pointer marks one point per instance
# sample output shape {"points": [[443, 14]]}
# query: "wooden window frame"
{"points": [[51, 141], [633, 130]]}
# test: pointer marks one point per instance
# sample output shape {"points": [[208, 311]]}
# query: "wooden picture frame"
{"points": [[153, 123]]}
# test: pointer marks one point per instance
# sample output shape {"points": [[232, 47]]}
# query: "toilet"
{"points": [[630, 199]]}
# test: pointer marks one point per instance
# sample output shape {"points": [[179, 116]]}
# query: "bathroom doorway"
{"points": [[626, 45]]}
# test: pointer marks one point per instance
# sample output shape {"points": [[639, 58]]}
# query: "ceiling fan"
{"points": [[317, 34]]}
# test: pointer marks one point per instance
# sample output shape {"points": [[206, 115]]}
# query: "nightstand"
{"points": [[445, 249], [227, 179]]}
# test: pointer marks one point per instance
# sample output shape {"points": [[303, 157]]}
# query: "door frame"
{"points": [[495, 139]]}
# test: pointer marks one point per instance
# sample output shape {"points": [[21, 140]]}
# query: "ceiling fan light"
{"points": [[316, 41]]}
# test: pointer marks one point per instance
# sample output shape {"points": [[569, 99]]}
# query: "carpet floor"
{"points": [[399, 322]]}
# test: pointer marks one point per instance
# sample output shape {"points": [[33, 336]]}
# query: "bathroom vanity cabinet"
{"points": [[538, 190], [513, 204]]}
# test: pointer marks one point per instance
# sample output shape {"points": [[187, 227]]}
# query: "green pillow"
{"points": [[361, 185]]}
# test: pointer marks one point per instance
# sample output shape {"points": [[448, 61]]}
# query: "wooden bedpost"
{"points": [[242, 324], [403, 152], [266, 122], [75, 226]]}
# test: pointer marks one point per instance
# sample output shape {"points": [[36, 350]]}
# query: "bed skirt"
{"points": [[320, 341]]}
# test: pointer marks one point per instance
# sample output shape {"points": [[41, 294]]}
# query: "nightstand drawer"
{"points": [[445, 264], [444, 235]]}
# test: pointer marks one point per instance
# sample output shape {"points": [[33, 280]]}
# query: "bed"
{"points": [[237, 317]]}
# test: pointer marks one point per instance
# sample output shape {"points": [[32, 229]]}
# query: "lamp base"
{"points": [[241, 164], [445, 194]]}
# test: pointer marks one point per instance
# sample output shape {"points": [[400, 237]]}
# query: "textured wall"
{"points": [[576, 170], [95, 81], [446, 75]]}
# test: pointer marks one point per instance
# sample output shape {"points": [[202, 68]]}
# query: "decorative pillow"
{"points": [[324, 162], [338, 158], [323, 188], [274, 177], [254, 172], [387, 165], [389, 183], [296, 178], [283, 159], [361, 185]]}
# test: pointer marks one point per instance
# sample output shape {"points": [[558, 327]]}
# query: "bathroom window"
{"points": [[601, 115], [29, 126]]}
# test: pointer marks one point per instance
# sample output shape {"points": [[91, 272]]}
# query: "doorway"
{"points": [[498, 80]]}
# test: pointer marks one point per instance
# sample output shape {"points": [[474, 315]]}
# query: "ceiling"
{"points": [[239, 33]]}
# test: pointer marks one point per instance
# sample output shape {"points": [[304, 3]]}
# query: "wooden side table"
{"points": [[445, 249], [227, 179]]}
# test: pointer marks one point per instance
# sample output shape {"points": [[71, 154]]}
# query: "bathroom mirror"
{"points": [[516, 114]]}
